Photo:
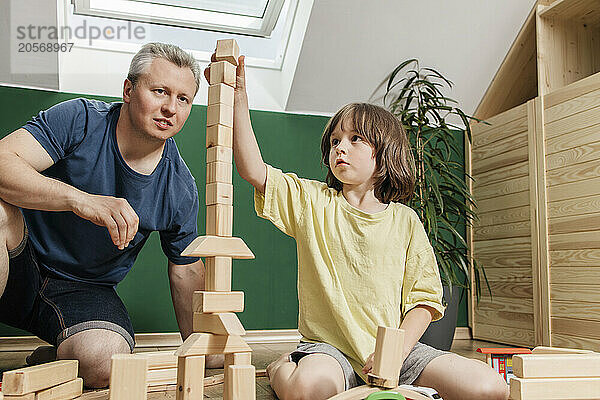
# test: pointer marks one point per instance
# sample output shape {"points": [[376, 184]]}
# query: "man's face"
{"points": [[161, 101]]}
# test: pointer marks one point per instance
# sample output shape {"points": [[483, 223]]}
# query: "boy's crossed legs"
{"points": [[320, 376]]}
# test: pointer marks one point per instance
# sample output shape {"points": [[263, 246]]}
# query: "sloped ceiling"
{"points": [[350, 46]]}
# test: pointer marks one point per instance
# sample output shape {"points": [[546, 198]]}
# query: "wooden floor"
{"points": [[262, 355]]}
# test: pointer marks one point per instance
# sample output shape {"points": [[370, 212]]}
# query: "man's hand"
{"points": [[114, 213], [368, 364]]}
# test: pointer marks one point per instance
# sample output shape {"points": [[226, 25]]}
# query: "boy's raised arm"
{"points": [[248, 160]]}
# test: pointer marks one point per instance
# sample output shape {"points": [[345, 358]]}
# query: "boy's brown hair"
{"points": [[395, 166]]}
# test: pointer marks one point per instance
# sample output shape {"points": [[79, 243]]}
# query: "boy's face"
{"points": [[161, 101], [351, 157]]}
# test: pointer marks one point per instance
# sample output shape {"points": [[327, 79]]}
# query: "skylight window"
{"points": [[246, 17]]}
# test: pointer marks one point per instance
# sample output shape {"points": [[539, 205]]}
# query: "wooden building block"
{"points": [[163, 376], [558, 350], [199, 344], [39, 377], [220, 94], [218, 274], [556, 365], [387, 361], [64, 391], [219, 220], [554, 388], [219, 193], [222, 72], [218, 171], [217, 302], [241, 382], [209, 246], [128, 377], [219, 135], [221, 114], [218, 323], [234, 359], [227, 50], [219, 153], [28, 396], [190, 378], [160, 359]]}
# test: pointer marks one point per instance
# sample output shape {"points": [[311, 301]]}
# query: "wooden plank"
{"points": [[160, 359], [501, 188], [218, 246], [502, 246], [190, 378], [507, 304], [242, 382], [219, 135], [505, 318], [578, 223], [558, 350], [573, 90], [576, 240], [519, 199], [573, 106], [218, 274], [218, 323], [163, 376], [199, 344], [510, 157], [575, 341], [32, 379], [521, 274], [502, 173], [556, 365], [573, 123], [498, 259], [507, 216], [501, 231], [576, 327], [504, 334], [216, 302], [510, 289], [501, 146], [219, 219], [64, 391], [234, 359], [572, 190], [219, 153], [567, 309], [573, 9], [484, 135], [573, 173], [572, 140], [575, 293], [554, 388], [128, 377], [575, 258], [573, 207]]}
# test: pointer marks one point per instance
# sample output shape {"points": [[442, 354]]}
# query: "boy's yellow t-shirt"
{"points": [[356, 271]]}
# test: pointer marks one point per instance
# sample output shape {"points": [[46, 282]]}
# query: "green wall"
{"points": [[288, 141]]}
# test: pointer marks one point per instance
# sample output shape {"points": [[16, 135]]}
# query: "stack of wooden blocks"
{"points": [[56, 380], [217, 330], [553, 373]]}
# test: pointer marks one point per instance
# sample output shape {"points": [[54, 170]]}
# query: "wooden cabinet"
{"points": [[536, 165]]}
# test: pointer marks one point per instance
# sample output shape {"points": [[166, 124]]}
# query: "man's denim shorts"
{"points": [[54, 308]]}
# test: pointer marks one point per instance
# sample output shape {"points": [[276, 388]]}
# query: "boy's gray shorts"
{"points": [[414, 364]]}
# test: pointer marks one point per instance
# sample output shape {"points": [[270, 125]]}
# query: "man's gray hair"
{"points": [[150, 51]]}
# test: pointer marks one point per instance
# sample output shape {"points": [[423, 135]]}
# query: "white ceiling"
{"points": [[351, 45]]}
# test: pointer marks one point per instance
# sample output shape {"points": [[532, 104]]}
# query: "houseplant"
{"points": [[417, 97]]}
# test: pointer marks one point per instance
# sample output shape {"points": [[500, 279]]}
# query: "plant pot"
{"points": [[440, 333]]}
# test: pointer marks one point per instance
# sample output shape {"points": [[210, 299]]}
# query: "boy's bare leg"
{"points": [[315, 377], [11, 235], [457, 377]]}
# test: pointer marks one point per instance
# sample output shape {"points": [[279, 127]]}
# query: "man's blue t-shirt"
{"points": [[80, 136]]}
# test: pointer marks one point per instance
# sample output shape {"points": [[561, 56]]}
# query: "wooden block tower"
{"points": [[217, 330]]}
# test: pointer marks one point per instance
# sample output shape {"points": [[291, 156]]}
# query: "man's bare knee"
{"points": [[94, 349]]}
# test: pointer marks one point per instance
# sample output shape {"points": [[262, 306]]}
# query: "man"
{"points": [[82, 186]]}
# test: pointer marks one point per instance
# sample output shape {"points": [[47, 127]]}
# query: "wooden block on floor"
{"points": [[241, 382], [227, 50], [222, 72], [219, 193], [209, 246], [217, 302], [387, 361], [32, 379], [163, 376], [554, 388], [217, 274], [220, 94], [558, 350], [234, 359], [199, 344], [556, 365], [219, 153], [218, 171], [160, 359], [128, 377], [218, 323], [219, 114], [219, 220], [64, 391], [190, 378], [219, 135]]}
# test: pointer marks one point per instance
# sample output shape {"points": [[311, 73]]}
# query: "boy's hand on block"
{"points": [[368, 364], [240, 74]]}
